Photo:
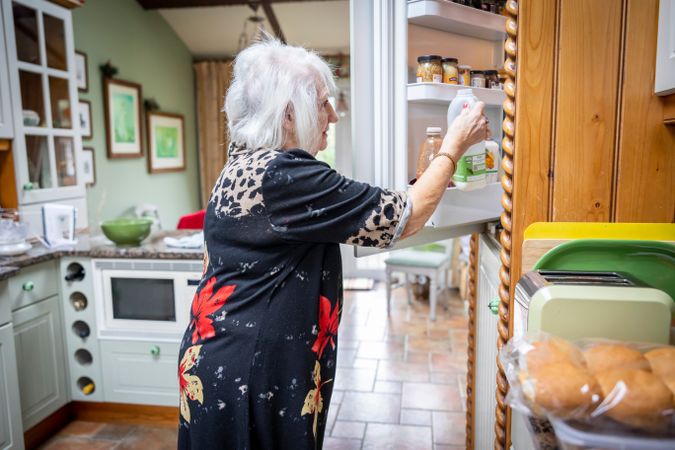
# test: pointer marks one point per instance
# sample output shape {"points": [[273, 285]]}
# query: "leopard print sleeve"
{"points": [[308, 201]]}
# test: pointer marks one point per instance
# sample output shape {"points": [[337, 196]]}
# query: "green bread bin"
{"points": [[126, 231]]}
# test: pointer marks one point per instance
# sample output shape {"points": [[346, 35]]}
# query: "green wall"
{"points": [[146, 51]]}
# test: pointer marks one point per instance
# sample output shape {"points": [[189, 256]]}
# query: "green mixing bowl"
{"points": [[126, 231]]}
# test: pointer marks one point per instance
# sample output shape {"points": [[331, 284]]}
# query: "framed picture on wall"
{"points": [[81, 73], [85, 119], [166, 142], [88, 166], [122, 105]]}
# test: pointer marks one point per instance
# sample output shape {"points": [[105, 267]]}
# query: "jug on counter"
{"points": [[470, 172]]}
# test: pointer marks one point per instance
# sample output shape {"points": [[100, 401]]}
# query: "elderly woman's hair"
{"points": [[271, 79]]}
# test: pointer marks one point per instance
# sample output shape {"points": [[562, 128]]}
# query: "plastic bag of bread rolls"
{"points": [[626, 385]]}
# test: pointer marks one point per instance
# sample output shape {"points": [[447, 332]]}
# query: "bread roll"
{"points": [[552, 351], [636, 398], [562, 388], [604, 357], [662, 361], [669, 380]]}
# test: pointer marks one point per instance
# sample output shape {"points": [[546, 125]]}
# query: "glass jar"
{"points": [[464, 75], [428, 149], [450, 71], [477, 78], [429, 69], [491, 79]]}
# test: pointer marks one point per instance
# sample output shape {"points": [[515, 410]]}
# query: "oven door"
{"points": [[146, 303]]}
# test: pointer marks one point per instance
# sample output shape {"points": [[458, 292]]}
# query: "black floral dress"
{"points": [[257, 362]]}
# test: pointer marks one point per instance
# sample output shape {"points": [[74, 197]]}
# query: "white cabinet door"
{"points": [[11, 433], [142, 372], [485, 370], [41, 61], [40, 360], [6, 124]]}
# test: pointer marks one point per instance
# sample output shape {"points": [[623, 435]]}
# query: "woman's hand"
{"points": [[469, 128]]}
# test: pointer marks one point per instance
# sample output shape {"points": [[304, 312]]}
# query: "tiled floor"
{"points": [[400, 383]]}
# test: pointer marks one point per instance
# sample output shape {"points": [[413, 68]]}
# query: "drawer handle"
{"points": [[28, 286], [28, 187], [154, 350], [494, 306]]}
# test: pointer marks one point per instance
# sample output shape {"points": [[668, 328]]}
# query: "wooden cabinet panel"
{"points": [[535, 100], [588, 74], [645, 188]]}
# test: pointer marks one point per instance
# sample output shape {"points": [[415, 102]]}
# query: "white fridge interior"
{"points": [[391, 111]]}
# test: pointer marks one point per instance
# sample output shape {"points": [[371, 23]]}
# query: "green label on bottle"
{"points": [[470, 168]]}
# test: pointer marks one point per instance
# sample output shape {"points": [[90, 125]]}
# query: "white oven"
{"points": [[144, 299]]}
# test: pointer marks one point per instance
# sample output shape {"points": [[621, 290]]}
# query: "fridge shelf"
{"points": [[459, 213], [458, 19], [442, 94]]}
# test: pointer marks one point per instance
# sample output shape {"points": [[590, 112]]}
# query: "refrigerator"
{"points": [[390, 114]]}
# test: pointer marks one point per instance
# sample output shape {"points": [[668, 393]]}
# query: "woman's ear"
{"points": [[289, 118]]}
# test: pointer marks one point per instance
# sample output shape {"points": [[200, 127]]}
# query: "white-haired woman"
{"points": [[257, 362]]}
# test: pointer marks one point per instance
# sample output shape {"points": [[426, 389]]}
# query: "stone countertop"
{"points": [[152, 247]]}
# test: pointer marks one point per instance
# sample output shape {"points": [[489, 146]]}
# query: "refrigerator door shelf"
{"points": [[458, 19], [458, 214], [443, 94]]}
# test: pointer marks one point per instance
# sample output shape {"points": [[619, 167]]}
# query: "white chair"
{"points": [[417, 262]]}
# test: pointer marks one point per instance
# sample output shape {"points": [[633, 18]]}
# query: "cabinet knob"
{"points": [[28, 187], [494, 305], [28, 286], [154, 350]]}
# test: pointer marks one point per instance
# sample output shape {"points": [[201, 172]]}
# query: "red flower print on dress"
{"points": [[328, 326], [190, 385], [204, 304]]}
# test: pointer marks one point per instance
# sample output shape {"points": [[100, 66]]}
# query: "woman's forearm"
{"points": [[429, 188]]}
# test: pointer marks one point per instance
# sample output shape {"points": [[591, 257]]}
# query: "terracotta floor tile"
{"points": [[114, 431], [352, 430], [81, 428], [399, 437], [431, 396], [388, 387], [415, 417], [370, 407], [344, 344], [346, 357], [363, 333], [402, 371], [448, 362], [424, 344], [449, 428], [380, 350], [150, 438], [449, 447], [416, 357], [72, 443], [354, 379], [331, 443], [445, 377], [364, 363], [332, 416], [336, 398]]}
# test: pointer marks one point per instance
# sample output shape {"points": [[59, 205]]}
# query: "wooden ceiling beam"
{"points": [[272, 19], [162, 4]]}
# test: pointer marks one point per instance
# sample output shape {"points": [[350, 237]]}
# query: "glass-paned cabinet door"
{"points": [[6, 122], [40, 55]]}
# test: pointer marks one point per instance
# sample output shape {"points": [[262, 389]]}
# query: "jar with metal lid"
{"points": [[464, 75], [429, 69], [477, 78], [431, 145], [491, 79], [450, 71]]}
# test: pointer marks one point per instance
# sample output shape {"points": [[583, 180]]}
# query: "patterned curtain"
{"points": [[212, 80]]}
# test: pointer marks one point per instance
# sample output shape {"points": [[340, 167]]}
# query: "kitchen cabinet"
{"points": [[32, 284], [11, 433], [391, 111], [40, 360], [485, 338], [142, 372], [44, 104], [6, 123]]}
